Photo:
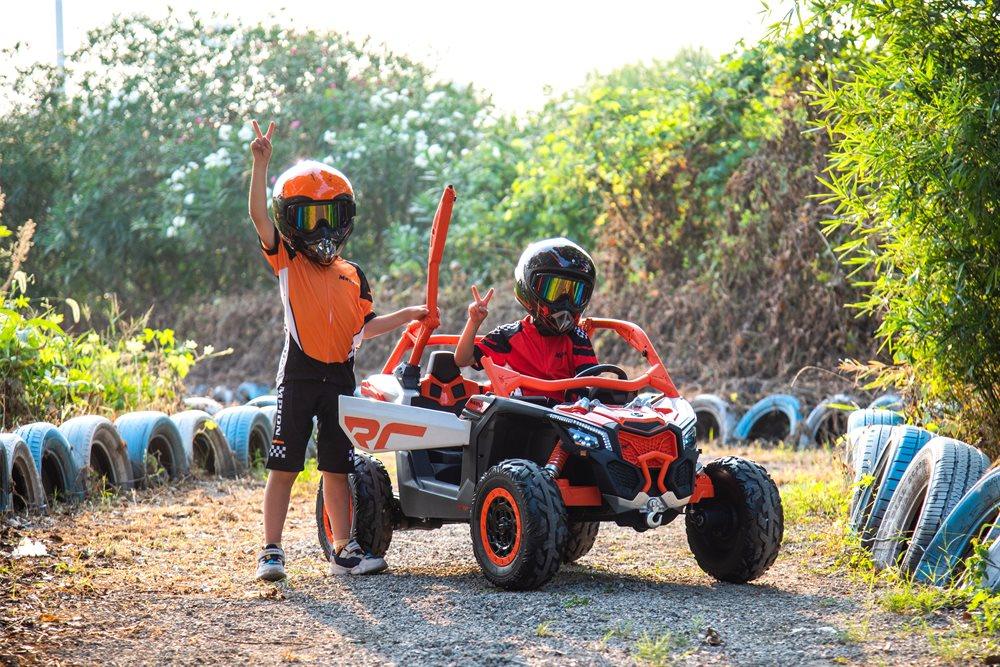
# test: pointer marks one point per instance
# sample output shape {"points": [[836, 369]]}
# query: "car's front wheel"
{"points": [[518, 525], [736, 534]]}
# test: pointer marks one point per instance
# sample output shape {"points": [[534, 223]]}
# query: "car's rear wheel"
{"points": [[372, 508], [518, 525], [736, 535], [580, 540]]}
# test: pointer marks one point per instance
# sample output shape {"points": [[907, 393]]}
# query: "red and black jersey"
{"points": [[326, 309], [522, 348]]}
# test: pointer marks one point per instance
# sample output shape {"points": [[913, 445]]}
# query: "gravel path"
{"points": [[169, 579]]}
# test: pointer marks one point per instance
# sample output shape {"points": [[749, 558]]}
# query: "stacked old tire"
{"points": [[781, 417], [922, 503], [42, 464]]}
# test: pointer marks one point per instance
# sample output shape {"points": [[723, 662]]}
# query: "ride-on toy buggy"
{"points": [[533, 479]]}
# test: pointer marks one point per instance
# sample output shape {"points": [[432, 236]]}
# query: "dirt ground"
{"points": [[167, 576]]}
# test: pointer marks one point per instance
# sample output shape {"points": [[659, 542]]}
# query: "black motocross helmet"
{"points": [[554, 281]]}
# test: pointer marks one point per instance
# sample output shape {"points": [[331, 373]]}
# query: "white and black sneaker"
{"points": [[271, 563], [352, 559]]}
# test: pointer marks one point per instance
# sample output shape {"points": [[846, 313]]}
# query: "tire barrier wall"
{"points": [[26, 491], [57, 467], [716, 418], [248, 433], [205, 447], [827, 421], [100, 453], [928, 505], [774, 418], [155, 447]]}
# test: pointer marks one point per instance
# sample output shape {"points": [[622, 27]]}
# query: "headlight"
{"points": [[584, 435], [690, 434], [583, 439]]}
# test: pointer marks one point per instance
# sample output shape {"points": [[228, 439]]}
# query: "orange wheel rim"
{"points": [[500, 527]]}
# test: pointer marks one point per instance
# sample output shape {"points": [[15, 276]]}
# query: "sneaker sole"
{"points": [[360, 568], [271, 575]]}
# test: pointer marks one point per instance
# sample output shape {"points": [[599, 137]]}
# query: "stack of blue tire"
{"points": [[926, 504], [777, 418], [42, 464]]}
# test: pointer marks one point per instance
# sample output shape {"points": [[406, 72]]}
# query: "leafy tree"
{"points": [[137, 174], [915, 174]]}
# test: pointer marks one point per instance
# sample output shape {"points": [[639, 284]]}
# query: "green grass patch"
{"points": [[814, 500], [575, 601], [661, 649]]}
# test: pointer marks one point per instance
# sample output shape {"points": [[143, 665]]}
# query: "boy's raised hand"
{"points": [[260, 147], [478, 308]]}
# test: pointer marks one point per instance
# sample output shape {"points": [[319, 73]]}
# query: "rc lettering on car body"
{"points": [[364, 430]]}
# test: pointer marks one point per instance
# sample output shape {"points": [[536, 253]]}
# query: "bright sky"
{"points": [[516, 50]]}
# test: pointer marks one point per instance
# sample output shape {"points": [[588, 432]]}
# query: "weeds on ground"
{"points": [[975, 631], [575, 601], [619, 631], [814, 499], [662, 649], [543, 629]]}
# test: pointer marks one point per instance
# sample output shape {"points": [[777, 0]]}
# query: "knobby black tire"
{"points": [[745, 492], [580, 540], [543, 525], [373, 504]]}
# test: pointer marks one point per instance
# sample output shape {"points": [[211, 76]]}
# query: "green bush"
{"points": [[48, 373], [915, 175], [143, 161]]}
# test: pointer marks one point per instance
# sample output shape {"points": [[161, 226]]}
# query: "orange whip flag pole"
{"points": [[439, 235]]}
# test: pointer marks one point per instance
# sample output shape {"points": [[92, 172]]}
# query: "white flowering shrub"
{"points": [[137, 174]]}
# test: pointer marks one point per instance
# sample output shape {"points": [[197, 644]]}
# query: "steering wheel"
{"points": [[608, 396], [600, 369]]}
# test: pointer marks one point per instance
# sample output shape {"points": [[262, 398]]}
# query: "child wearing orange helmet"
{"points": [[329, 311]]}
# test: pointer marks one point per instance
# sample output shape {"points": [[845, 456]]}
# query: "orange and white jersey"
{"points": [[326, 309]]}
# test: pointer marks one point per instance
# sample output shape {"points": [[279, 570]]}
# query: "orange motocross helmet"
{"points": [[313, 207]]}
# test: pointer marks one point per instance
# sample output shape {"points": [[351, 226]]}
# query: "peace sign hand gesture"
{"points": [[260, 147], [477, 309]]}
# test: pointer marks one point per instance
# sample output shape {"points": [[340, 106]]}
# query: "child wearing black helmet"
{"points": [[553, 280]]}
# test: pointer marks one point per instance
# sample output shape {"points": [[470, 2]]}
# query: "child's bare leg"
{"points": [[276, 496], [336, 500]]}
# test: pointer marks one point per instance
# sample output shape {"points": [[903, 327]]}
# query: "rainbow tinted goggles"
{"points": [[552, 288], [308, 217]]}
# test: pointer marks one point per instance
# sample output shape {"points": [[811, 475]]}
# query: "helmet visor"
{"points": [[552, 288], [308, 217]]}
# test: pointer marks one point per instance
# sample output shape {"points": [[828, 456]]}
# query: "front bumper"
{"points": [[659, 483]]}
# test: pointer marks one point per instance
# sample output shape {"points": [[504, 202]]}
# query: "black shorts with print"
{"points": [[299, 401]]}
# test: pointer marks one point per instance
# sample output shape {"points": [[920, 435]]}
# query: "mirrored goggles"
{"points": [[552, 288], [308, 217]]}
